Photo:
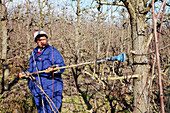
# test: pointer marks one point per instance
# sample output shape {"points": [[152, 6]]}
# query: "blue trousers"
{"points": [[57, 100]]}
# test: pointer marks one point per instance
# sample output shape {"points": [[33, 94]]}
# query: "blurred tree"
{"points": [[4, 37]]}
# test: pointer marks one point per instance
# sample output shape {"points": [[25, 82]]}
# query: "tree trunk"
{"points": [[77, 30], [140, 69], [4, 49], [138, 45], [28, 32], [138, 39], [41, 15]]}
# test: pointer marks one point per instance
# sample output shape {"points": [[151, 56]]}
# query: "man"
{"points": [[45, 57]]}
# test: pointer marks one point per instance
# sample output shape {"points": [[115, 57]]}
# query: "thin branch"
{"points": [[110, 3], [150, 86], [157, 53], [160, 9]]}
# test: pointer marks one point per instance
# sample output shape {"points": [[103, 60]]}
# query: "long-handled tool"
{"points": [[120, 57]]}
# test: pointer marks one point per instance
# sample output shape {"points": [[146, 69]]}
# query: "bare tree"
{"points": [[4, 37], [138, 10], [77, 29]]}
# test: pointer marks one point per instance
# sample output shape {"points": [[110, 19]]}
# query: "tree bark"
{"points": [[4, 49], [77, 30], [28, 34], [138, 46], [138, 40]]}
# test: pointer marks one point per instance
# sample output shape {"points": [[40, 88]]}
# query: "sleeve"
{"points": [[58, 60]]}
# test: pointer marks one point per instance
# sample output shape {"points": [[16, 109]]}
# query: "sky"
{"points": [[60, 3], [71, 6]]}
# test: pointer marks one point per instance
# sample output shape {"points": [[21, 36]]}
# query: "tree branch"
{"points": [[148, 7], [130, 8], [109, 3]]}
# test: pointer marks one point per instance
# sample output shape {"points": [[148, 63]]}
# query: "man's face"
{"points": [[42, 42]]}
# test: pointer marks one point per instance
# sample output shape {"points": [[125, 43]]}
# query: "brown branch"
{"points": [[157, 53], [160, 10], [130, 9], [110, 3], [150, 87]]}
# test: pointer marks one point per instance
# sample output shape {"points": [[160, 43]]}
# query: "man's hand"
{"points": [[21, 75], [51, 69]]}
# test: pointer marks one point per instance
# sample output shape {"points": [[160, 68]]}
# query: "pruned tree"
{"points": [[137, 9]]}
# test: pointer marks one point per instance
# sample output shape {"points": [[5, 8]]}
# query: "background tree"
{"points": [[5, 46]]}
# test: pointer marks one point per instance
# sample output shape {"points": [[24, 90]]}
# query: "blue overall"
{"points": [[42, 62]]}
